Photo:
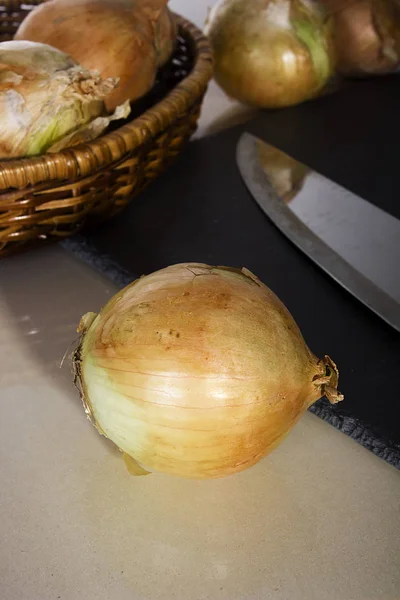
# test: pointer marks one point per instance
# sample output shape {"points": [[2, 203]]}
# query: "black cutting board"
{"points": [[201, 211]]}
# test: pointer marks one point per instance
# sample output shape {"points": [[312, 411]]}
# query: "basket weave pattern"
{"points": [[53, 196]]}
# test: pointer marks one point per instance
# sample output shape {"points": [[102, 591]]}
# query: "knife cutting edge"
{"points": [[312, 212]]}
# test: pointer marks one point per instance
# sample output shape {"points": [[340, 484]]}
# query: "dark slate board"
{"points": [[201, 211]]}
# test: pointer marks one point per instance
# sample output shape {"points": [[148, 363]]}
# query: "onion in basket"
{"points": [[47, 101], [197, 371], [127, 39], [271, 53]]}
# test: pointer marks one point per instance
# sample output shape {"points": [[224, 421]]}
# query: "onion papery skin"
{"points": [[197, 371], [271, 53], [47, 100], [129, 38], [366, 36]]}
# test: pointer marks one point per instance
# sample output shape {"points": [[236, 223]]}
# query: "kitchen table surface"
{"points": [[317, 519]]}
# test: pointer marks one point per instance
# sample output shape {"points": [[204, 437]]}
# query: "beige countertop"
{"points": [[317, 519]]}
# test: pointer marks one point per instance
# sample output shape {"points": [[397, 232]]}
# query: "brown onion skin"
{"points": [[166, 35], [248, 51], [366, 35], [225, 341], [245, 84], [128, 39]]}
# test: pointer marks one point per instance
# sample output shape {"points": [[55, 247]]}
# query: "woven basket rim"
{"points": [[136, 133]]}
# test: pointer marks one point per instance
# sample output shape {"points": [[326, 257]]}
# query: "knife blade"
{"points": [[355, 242]]}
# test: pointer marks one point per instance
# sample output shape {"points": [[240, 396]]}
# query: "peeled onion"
{"points": [[197, 371], [127, 39], [271, 53], [367, 36]]}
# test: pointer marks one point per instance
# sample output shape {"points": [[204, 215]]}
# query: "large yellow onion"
{"points": [[127, 39], [367, 36], [197, 371], [271, 53]]}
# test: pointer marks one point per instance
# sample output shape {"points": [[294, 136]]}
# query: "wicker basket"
{"points": [[55, 195]]}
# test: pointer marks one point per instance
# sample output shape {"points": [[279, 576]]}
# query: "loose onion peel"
{"points": [[197, 371]]}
